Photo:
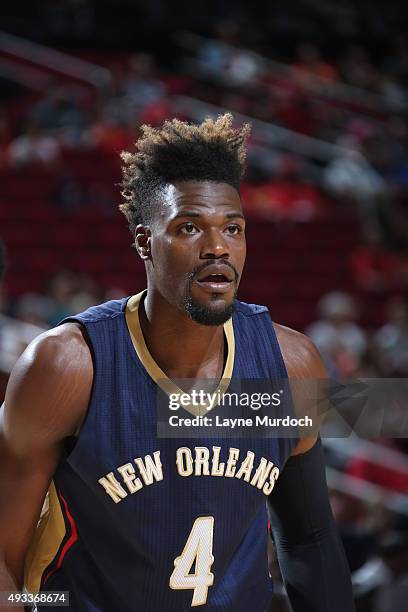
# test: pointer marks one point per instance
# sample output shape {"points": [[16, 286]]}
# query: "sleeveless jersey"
{"points": [[139, 523]]}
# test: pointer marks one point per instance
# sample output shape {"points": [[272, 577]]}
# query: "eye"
{"points": [[234, 229], [189, 228]]}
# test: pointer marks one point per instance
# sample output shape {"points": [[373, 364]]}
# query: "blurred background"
{"points": [[325, 85]]}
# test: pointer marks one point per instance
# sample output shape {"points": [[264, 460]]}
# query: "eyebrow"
{"points": [[194, 215]]}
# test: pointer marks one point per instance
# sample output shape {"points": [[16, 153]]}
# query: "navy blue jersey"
{"points": [[145, 524]]}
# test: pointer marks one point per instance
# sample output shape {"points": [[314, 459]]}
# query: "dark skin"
{"points": [[199, 223], [50, 387]]}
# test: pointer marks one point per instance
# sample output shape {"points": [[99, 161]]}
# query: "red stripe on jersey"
{"points": [[69, 543]]}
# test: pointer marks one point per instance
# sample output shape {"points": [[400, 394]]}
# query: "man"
{"points": [[151, 524]]}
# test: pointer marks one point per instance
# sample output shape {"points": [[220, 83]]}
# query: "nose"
{"points": [[214, 245]]}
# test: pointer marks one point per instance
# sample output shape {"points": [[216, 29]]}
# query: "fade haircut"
{"points": [[180, 151]]}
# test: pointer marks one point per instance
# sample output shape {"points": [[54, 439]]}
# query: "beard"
{"points": [[206, 315]]}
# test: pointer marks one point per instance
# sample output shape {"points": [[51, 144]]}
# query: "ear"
{"points": [[142, 241]]}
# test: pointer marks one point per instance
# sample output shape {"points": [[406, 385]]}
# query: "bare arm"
{"points": [[303, 363], [46, 399]]}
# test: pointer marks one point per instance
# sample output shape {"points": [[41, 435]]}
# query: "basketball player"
{"points": [[139, 523]]}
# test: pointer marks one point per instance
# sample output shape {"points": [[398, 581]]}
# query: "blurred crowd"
{"points": [[22, 319], [350, 101]]}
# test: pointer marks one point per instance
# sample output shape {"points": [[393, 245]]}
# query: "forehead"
{"points": [[202, 197]]}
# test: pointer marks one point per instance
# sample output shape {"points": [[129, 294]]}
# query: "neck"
{"points": [[179, 345]]}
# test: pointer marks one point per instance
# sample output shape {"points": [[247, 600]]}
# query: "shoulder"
{"points": [[60, 351], [49, 389], [301, 357]]}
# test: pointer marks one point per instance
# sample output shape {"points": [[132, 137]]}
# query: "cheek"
{"points": [[240, 255], [171, 259], [243, 250]]}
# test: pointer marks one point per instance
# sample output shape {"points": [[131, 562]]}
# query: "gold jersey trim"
{"points": [[46, 541], [155, 371]]}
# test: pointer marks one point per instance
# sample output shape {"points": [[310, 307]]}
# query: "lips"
{"points": [[216, 274], [216, 279]]}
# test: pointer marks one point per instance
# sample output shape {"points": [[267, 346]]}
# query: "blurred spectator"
{"points": [[288, 196], [155, 113], [351, 176], [392, 595], [60, 114], [60, 289], [16, 334], [34, 309], [33, 146], [309, 65], [140, 86], [374, 268], [222, 56], [295, 111], [113, 293], [34, 313], [82, 300], [395, 96], [391, 340], [110, 135], [340, 340], [85, 293]]}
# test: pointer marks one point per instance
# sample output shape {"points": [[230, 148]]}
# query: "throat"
{"points": [[181, 352], [210, 367]]}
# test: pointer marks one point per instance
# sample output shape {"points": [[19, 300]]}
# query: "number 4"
{"points": [[198, 548]]}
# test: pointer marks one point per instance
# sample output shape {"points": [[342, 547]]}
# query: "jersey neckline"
{"points": [[154, 370]]}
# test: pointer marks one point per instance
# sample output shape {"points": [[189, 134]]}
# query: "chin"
{"points": [[216, 311]]}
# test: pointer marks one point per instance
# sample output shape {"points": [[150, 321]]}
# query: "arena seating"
{"points": [[290, 265]]}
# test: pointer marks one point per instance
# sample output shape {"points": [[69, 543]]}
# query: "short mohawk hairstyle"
{"points": [[180, 151]]}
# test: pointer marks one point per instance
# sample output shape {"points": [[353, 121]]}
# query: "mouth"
{"points": [[215, 283]]}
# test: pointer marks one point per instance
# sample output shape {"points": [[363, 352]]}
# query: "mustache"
{"points": [[209, 263]]}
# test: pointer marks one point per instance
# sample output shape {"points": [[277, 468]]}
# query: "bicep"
{"points": [[307, 376], [48, 391]]}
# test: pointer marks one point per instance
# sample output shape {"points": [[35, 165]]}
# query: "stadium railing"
{"points": [[16, 50], [334, 90], [268, 133]]}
